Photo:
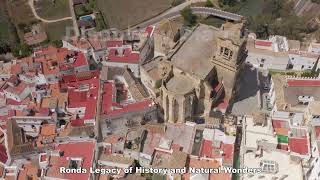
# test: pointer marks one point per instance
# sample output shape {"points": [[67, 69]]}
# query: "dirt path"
{"points": [[31, 4]]}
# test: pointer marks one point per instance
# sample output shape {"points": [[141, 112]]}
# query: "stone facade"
{"points": [[200, 72]]}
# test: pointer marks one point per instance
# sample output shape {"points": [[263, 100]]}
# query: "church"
{"points": [[198, 77]]}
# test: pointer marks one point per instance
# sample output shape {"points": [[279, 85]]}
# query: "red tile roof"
{"points": [[278, 123], [87, 98], [114, 43], [108, 104], [16, 69], [299, 145], [84, 150], [206, 149], [80, 60], [3, 154], [228, 152], [263, 43], [303, 82], [317, 130], [206, 163], [128, 56], [150, 30]]}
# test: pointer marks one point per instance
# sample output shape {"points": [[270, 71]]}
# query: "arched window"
{"points": [[175, 110]]}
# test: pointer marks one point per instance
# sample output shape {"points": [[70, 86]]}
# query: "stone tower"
{"points": [[229, 54]]}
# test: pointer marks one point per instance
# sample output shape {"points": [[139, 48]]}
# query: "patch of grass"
{"points": [[48, 10], [8, 35], [212, 21], [246, 8], [309, 74], [56, 31], [274, 72], [251, 7], [83, 9], [100, 24], [121, 13], [21, 12], [295, 73]]}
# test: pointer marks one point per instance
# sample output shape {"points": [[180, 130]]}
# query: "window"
{"points": [[269, 166], [54, 63], [226, 52], [221, 50], [75, 163]]}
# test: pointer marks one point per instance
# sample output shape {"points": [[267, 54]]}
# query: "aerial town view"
{"points": [[160, 89]]}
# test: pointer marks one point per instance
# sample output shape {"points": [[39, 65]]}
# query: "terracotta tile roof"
{"points": [[48, 130], [303, 82], [16, 69], [128, 56], [80, 43], [28, 171], [114, 43], [98, 43], [80, 60], [72, 150], [317, 131], [281, 131], [299, 145], [150, 30], [206, 149], [18, 89], [205, 163], [32, 39], [108, 104], [3, 154], [55, 91], [262, 43], [112, 139]]}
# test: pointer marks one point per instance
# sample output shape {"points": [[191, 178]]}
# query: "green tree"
{"points": [[279, 19], [208, 3], [227, 2], [190, 19], [22, 50], [57, 43]]}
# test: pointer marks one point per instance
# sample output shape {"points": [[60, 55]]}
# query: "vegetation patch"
{"points": [[57, 30], [83, 9], [212, 21], [190, 19], [123, 13], [100, 24], [8, 35], [52, 9]]}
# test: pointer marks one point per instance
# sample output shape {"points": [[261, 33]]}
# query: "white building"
{"points": [[276, 54], [265, 58], [258, 150], [314, 48], [300, 60]]}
